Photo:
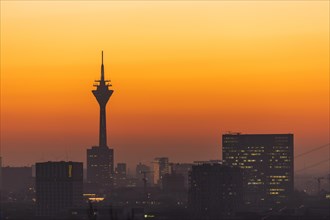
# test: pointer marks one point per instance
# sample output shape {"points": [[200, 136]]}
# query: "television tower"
{"points": [[102, 94], [100, 159]]}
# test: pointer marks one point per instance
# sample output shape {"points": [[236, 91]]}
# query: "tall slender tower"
{"points": [[102, 94], [100, 160]]}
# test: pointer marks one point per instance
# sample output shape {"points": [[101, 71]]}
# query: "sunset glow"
{"points": [[183, 73]]}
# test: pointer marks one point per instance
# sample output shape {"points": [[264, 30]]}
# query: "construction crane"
{"points": [[145, 180]]}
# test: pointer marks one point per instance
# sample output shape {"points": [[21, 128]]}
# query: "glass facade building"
{"points": [[59, 188], [267, 163]]}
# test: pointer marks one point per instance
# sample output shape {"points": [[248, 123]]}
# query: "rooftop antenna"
{"points": [[102, 69]]}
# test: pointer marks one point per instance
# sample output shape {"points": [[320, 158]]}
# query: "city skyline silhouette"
{"points": [[254, 178], [220, 110]]}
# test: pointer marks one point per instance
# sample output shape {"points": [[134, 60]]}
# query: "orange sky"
{"points": [[183, 74]]}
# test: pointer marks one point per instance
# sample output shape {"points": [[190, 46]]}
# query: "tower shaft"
{"points": [[103, 127], [102, 94]]}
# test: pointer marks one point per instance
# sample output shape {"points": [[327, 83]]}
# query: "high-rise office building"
{"points": [[100, 159], [267, 163], [160, 168], [59, 187], [215, 190]]}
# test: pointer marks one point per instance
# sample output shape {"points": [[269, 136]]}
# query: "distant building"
{"points": [[140, 171], [173, 182], [160, 168], [120, 175], [215, 190], [59, 187], [141, 168], [267, 162], [121, 169], [16, 179], [183, 169], [33, 170]]}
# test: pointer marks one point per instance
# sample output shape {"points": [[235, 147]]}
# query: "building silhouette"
{"points": [[215, 190], [267, 162], [100, 159], [59, 188]]}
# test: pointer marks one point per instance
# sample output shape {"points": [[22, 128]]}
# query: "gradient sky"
{"points": [[183, 74]]}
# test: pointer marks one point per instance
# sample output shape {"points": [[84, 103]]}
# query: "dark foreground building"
{"points": [[100, 159], [215, 191], [59, 188], [267, 162]]}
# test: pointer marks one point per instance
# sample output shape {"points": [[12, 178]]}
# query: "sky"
{"points": [[183, 74]]}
